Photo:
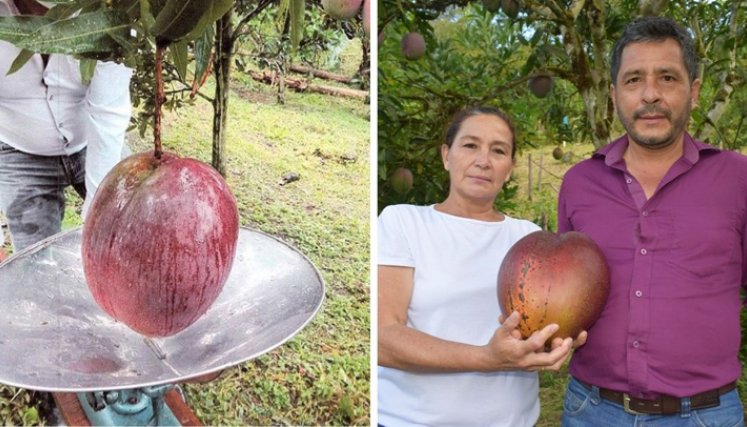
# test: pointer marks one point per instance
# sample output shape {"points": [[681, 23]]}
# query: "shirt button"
{"points": [[60, 125], [644, 251], [636, 344], [629, 180], [638, 293], [644, 213]]}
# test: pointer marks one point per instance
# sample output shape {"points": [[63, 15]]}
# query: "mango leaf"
{"points": [[147, 14], [84, 33], [131, 7], [149, 9], [217, 10], [179, 54], [296, 11], [15, 28], [179, 17], [20, 60], [66, 9], [203, 48], [87, 67]]}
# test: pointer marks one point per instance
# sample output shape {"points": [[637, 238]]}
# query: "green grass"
{"points": [[321, 376]]}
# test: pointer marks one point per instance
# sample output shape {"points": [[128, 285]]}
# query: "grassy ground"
{"points": [[320, 377]]}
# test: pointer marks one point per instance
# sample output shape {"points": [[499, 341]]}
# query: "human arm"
{"points": [[108, 112], [403, 347]]}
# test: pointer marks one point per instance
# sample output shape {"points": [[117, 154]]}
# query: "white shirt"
{"points": [[456, 262], [50, 112]]}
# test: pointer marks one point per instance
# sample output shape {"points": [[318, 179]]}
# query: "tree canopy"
{"points": [[487, 52]]}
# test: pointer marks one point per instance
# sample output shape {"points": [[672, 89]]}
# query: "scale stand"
{"points": [[76, 411], [140, 406], [54, 337]]}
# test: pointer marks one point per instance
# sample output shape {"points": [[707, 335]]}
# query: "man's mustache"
{"points": [[652, 109]]}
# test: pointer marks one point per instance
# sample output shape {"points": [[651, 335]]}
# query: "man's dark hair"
{"points": [[652, 29], [460, 117]]}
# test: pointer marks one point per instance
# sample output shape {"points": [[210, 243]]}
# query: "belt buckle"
{"points": [[626, 405]]}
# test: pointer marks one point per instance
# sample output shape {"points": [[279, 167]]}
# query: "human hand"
{"points": [[578, 342], [556, 342], [508, 351]]}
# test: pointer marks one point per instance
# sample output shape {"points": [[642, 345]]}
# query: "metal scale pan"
{"points": [[54, 337]]}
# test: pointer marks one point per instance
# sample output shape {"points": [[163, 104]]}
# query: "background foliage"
{"points": [[477, 56]]}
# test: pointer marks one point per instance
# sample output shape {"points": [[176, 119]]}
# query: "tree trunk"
{"points": [[302, 86], [326, 75], [364, 70], [588, 70], [223, 51]]}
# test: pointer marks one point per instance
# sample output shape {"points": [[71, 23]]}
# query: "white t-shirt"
{"points": [[456, 262]]}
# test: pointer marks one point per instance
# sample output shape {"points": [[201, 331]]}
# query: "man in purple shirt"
{"points": [[670, 214]]}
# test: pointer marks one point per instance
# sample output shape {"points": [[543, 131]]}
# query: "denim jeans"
{"points": [[32, 192], [585, 408]]}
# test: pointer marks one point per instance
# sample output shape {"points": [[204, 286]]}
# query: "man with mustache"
{"points": [[670, 214]]}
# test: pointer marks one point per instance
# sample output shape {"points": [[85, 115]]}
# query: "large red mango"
{"points": [[159, 242], [554, 278]]}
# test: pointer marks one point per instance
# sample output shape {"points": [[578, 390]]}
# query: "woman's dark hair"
{"points": [[654, 29], [460, 117]]}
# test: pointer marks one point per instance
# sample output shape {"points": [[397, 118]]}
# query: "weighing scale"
{"points": [[55, 338]]}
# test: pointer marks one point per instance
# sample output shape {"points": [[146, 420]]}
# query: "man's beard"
{"points": [[656, 142]]}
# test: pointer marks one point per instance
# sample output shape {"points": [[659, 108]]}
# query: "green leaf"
{"points": [[203, 48], [89, 32], [218, 9], [187, 19], [66, 9], [87, 67], [20, 61], [296, 12], [15, 28], [179, 53], [30, 416], [179, 17]]}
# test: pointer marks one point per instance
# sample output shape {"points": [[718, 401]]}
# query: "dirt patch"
{"points": [[255, 96]]}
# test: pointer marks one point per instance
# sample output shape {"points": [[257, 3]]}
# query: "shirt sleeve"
{"points": [[393, 246], [108, 108]]}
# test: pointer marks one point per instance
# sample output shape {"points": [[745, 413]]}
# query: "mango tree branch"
{"points": [[157, 150], [263, 4]]}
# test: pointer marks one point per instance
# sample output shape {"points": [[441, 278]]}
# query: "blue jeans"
{"points": [[585, 408], [32, 192]]}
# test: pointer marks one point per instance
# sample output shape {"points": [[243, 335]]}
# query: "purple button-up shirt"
{"points": [[677, 261]]}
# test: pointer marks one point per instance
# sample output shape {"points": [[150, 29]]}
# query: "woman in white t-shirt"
{"points": [[444, 357]]}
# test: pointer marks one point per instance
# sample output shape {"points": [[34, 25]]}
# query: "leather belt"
{"points": [[664, 404]]}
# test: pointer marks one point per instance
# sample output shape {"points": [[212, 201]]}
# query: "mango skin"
{"points": [[159, 242], [342, 9], [413, 46], [550, 278]]}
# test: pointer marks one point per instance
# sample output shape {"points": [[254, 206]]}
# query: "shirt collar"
{"points": [[613, 152]]}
